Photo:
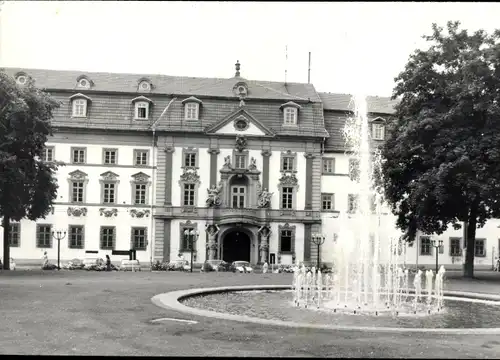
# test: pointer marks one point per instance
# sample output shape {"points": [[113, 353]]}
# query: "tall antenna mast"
{"points": [[286, 61], [309, 70]]}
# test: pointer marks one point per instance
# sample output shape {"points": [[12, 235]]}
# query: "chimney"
{"points": [[237, 65]]}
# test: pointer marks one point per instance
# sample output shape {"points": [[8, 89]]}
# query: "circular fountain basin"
{"points": [[273, 305]]}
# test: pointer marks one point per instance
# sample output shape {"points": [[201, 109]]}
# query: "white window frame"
{"points": [[189, 194], [78, 104], [109, 187], [328, 166], [290, 116], [191, 111], [141, 105], [238, 195], [287, 198], [240, 161], [45, 154], [378, 131]]}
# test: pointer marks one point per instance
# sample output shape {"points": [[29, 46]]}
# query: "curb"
{"points": [[171, 301]]}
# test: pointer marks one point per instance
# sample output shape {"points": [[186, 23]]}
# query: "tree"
{"points": [[442, 159], [27, 184]]}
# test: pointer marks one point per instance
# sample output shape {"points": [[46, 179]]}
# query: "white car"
{"points": [[242, 267]]}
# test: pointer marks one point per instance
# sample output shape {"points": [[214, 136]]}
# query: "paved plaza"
{"points": [[96, 313]]}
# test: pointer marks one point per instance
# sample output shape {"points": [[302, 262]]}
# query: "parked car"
{"points": [[179, 265], [241, 266], [214, 265]]}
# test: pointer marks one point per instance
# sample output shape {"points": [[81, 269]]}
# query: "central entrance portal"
{"points": [[236, 247]]}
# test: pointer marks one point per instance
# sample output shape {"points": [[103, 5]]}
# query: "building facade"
{"points": [[234, 168]]}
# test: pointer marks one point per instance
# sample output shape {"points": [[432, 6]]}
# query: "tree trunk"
{"points": [[471, 245], [6, 243]]}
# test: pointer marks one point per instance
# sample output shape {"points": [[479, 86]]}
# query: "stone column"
{"points": [[265, 168], [264, 243], [169, 150], [212, 231]]}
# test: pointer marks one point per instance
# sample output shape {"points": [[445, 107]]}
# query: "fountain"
{"points": [[368, 277]]}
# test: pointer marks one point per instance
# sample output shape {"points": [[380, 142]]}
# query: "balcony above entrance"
{"points": [[247, 215]]}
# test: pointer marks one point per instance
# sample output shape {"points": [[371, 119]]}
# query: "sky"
{"points": [[354, 46]]}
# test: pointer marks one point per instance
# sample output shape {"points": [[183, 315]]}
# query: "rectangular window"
{"points": [[14, 234], [239, 161], [76, 239], [326, 201], [378, 131], [140, 194], [352, 203], [480, 248], [238, 196], [190, 160], [141, 157], [109, 193], [425, 245], [78, 156], [141, 110], [188, 194], [290, 116], [79, 107], [354, 169], [185, 239], [287, 198], [455, 246], [110, 156], [48, 154], [286, 241], [287, 164], [107, 237], [43, 236], [328, 166], [139, 238], [191, 111], [77, 189]]}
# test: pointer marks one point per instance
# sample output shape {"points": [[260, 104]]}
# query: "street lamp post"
{"points": [[437, 245], [318, 240], [58, 235], [191, 236]]}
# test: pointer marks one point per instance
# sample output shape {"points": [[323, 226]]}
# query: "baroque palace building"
{"points": [[250, 169]]}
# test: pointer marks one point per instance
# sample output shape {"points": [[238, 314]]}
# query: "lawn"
{"points": [[100, 313]]}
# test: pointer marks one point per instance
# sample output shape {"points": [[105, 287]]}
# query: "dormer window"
{"points": [[191, 108], [83, 82], [141, 110], [80, 107], [142, 107], [290, 113], [79, 104], [21, 79], [378, 129], [240, 89], [144, 86]]}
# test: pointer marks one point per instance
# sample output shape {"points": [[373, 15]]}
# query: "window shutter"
{"points": [[279, 241], [146, 241], [292, 247], [132, 245]]}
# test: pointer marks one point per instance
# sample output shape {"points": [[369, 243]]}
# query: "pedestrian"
{"points": [[265, 267], [108, 263]]}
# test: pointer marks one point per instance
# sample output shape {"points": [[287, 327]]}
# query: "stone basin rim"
{"points": [[172, 301]]}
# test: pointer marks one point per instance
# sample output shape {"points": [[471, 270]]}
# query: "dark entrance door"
{"points": [[236, 247]]}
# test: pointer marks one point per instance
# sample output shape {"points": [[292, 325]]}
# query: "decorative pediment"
{"points": [[288, 180], [378, 120], [109, 175], [240, 121], [191, 99], [141, 98], [286, 227], [80, 95], [140, 177], [190, 176], [77, 175], [290, 104]]}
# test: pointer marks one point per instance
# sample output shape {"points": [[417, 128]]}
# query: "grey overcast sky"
{"points": [[352, 44]]}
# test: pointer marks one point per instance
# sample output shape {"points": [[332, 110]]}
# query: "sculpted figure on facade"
{"points": [[212, 231], [241, 142], [265, 232], [265, 196], [253, 164], [214, 196], [227, 162]]}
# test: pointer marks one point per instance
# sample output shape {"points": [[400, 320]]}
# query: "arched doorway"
{"points": [[236, 247]]}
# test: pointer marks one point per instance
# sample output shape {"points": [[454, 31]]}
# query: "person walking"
{"points": [[265, 267], [108, 263]]}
